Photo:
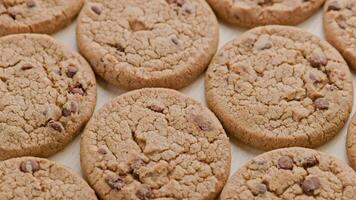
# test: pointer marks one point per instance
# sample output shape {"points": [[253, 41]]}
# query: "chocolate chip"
{"points": [[258, 189], [102, 151], [285, 162], [156, 108], [321, 104], [202, 123], [334, 5], [143, 192], [137, 25], [30, 3], [310, 162], [70, 108], [263, 43], [311, 184], [77, 89], [56, 125], [96, 10], [119, 47], [71, 71], [175, 40], [177, 2], [29, 166], [318, 59], [115, 182], [26, 67], [136, 165], [188, 8]]}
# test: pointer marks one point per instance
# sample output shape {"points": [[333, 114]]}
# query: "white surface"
{"points": [[240, 152]]}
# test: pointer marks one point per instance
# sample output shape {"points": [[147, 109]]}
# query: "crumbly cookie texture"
{"points": [[36, 16], [292, 174], [140, 43], [340, 27], [351, 142], [251, 13], [278, 86], [37, 178], [47, 94], [155, 144]]}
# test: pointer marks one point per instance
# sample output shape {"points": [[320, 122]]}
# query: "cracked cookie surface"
{"points": [[251, 13], [278, 86], [292, 174], [47, 94], [37, 178], [340, 27], [155, 144], [36, 16], [140, 43], [351, 142]]}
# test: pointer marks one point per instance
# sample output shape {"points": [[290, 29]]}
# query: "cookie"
{"points": [[155, 144], [351, 142], [251, 13], [292, 174], [37, 178], [36, 16], [139, 43], [47, 94], [340, 27], [278, 86]]}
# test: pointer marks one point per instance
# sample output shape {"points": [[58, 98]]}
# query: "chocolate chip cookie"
{"points": [[278, 86], [351, 142], [155, 144], [47, 94], [340, 27], [36, 16], [37, 178], [292, 174], [251, 13], [140, 43]]}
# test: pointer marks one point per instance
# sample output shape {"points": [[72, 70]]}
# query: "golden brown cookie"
{"points": [[36, 16], [140, 43], [279, 86], [155, 144], [292, 174], [37, 178], [251, 13], [340, 27], [47, 94]]}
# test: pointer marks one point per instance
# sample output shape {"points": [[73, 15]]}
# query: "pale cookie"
{"points": [[251, 13], [351, 142], [36, 16], [37, 178], [140, 43], [47, 94], [278, 86], [155, 144], [292, 174], [340, 27]]}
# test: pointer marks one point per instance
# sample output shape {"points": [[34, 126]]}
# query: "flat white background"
{"points": [[240, 152]]}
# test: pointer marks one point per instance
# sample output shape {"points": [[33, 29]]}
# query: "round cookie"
{"points": [[278, 86], [155, 144], [340, 27], [36, 16], [47, 94], [292, 174], [37, 178], [351, 142], [251, 13], [140, 43]]}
